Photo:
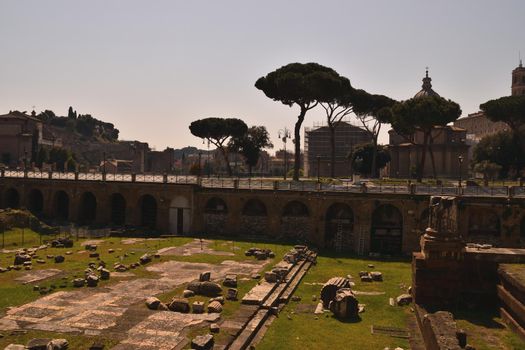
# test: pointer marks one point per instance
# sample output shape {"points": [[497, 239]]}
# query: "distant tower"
{"points": [[518, 81]]}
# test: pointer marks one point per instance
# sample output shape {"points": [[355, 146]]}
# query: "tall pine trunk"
{"points": [[373, 171], [332, 150], [227, 160], [297, 134]]}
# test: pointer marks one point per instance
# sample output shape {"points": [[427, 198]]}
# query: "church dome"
{"points": [[426, 88]]}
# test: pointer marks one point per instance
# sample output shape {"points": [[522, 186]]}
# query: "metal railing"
{"points": [[273, 184]]}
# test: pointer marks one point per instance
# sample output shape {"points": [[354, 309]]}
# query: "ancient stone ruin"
{"points": [[439, 263], [344, 305]]}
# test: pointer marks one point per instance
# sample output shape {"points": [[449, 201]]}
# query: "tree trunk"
{"points": [[226, 159], [373, 171], [332, 150], [250, 170], [421, 169], [297, 134]]}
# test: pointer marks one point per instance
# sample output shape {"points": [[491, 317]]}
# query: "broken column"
{"points": [[331, 287], [439, 263], [344, 305]]}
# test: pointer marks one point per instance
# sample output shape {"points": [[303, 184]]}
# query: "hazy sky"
{"points": [[152, 67]]}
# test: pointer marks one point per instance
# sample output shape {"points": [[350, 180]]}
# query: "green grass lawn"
{"points": [[303, 331], [14, 293], [306, 330], [486, 331]]}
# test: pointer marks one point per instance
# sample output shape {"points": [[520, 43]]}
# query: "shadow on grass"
{"points": [[242, 239], [355, 319], [483, 316], [328, 253], [334, 255]]}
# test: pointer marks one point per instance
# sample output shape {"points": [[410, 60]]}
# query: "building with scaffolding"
{"points": [[317, 148]]}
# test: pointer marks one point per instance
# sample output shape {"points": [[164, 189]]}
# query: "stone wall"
{"points": [[254, 225], [274, 225], [439, 330], [297, 228], [215, 224], [511, 293]]}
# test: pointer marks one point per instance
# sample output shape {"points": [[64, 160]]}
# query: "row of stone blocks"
{"points": [[511, 293]]}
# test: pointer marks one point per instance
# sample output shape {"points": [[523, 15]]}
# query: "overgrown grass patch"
{"points": [[14, 293], [305, 330]]}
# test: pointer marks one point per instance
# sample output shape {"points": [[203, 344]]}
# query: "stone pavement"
{"points": [[162, 330], [194, 247], [37, 275], [117, 310]]}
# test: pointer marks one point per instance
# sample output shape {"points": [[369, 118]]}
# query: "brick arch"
{"points": [[339, 227], [35, 201], [254, 217], [254, 207], [295, 221], [180, 212], [386, 233], [87, 213], [12, 198], [148, 209], [117, 209], [295, 208], [215, 216], [216, 205], [61, 205]]}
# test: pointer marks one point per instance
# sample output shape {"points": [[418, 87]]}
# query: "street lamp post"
{"points": [[460, 160], [284, 134]]}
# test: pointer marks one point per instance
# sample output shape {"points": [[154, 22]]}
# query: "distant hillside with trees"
{"points": [[84, 125]]}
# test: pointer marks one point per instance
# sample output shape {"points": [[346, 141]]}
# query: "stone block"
{"points": [[403, 299], [104, 274], [92, 280], [79, 282], [179, 305], [152, 303], [188, 293], [197, 307], [205, 276], [376, 276], [214, 307], [230, 281], [209, 289], [145, 259], [38, 344], [270, 277], [232, 294], [202, 342], [15, 347], [58, 344], [215, 328]]}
